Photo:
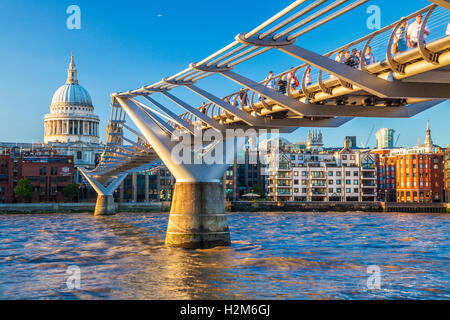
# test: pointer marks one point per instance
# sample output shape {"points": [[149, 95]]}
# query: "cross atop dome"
{"points": [[72, 72]]}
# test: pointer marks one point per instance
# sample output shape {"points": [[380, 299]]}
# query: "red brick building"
{"points": [[48, 172], [6, 178], [420, 178], [447, 174], [387, 174], [413, 174]]}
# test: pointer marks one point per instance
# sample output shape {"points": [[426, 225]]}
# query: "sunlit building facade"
{"points": [[412, 174], [346, 175], [385, 138], [447, 174]]}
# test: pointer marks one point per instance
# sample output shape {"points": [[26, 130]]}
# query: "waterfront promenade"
{"points": [[236, 206]]}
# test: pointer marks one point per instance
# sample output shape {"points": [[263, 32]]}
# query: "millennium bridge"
{"points": [[398, 83]]}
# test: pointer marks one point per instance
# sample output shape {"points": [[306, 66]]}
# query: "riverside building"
{"points": [[447, 174], [412, 174], [345, 175], [47, 171]]}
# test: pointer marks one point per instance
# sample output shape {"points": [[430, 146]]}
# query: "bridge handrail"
{"points": [[368, 38]]}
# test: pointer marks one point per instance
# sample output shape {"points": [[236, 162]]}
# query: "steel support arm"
{"points": [[156, 137], [99, 187], [244, 116], [314, 110], [155, 116], [369, 82], [133, 131], [289, 103], [203, 117], [172, 115]]}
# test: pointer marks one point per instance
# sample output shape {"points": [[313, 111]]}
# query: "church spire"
{"points": [[72, 72], [428, 140]]}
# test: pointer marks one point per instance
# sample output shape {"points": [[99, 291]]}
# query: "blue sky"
{"points": [[124, 45]]}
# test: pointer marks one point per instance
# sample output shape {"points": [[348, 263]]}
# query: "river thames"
{"points": [[272, 256]]}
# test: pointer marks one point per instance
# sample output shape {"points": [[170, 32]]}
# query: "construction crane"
{"points": [[396, 140], [368, 137]]}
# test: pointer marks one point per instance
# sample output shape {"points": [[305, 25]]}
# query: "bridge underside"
{"points": [[399, 86]]}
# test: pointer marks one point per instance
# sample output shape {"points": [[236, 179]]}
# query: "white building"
{"points": [[71, 127], [346, 175], [385, 138]]}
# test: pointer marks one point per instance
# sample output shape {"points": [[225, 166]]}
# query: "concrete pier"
{"points": [[105, 205], [197, 216]]}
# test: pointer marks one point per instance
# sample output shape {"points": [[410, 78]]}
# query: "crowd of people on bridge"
{"points": [[406, 36]]}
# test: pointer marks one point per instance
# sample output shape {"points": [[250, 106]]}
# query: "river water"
{"points": [[272, 256]]}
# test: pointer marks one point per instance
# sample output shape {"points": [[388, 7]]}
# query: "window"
{"points": [[347, 173], [338, 181], [317, 174], [79, 155], [344, 157], [304, 173], [295, 181], [348, 190], [355, 182], [338, 190], [330, 190], [330, 173], [296, 173], [347, 181], [356, 190], [338, 174], [330, 181]]}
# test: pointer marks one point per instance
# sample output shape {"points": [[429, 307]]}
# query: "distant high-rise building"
{"points": [[352, 140], [385, 138]]}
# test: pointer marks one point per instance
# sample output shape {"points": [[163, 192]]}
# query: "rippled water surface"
{"points": [[272, 256]]}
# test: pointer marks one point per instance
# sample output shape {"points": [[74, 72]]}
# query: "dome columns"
{"points": [[61, 129]]}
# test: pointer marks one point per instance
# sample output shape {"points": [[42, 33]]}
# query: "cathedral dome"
{"points": [[71, 94], [71, 118]]}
